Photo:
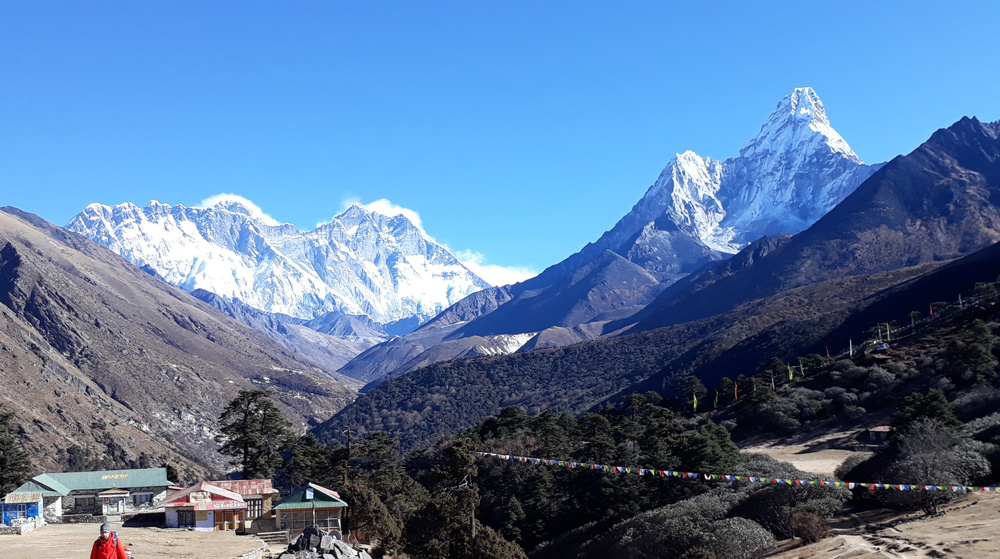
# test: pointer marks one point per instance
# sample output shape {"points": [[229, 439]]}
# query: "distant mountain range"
{"points": [[881, 253], [103, 359], [698, 211], [386, 269]]}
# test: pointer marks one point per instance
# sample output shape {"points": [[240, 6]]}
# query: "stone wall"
{"points": [[18, 529]]}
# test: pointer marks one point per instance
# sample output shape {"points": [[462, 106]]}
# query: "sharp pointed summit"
{"points": [[785, 178], [799, 120], [697, 211]]}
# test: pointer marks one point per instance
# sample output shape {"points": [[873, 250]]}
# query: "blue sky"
{"points": [[519, 131]]}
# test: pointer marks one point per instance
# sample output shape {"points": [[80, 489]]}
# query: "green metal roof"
{"points": [[113, 479], [43, 484], [322, 499]]}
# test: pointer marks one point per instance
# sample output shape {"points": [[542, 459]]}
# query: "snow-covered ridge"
{"points": [[786, 177], [360, 263]]}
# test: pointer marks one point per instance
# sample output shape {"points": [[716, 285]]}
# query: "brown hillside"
{"points": [[97, 354]]}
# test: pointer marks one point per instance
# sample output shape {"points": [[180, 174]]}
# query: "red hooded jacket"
{"points": [[112, 548]]}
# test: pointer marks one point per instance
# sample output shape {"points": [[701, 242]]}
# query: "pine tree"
{"points": [[255, 433], [933, 405], [15, 465]]}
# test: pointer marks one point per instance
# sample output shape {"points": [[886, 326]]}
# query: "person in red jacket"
{"points": [[108, 546]]}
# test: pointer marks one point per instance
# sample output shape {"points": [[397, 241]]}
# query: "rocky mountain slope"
{"points": [[939, 202], [785, 296], [102, 360], [698, 211]]}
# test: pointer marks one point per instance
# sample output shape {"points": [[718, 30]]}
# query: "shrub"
{"points": [[739, 538], [699, 553], [843, 471], [878, 378], [809, 526], [976, 402]]}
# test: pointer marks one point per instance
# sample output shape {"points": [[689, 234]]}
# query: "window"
{"points": [[324, 520], [327, 520], [139, 499], [255, 508], [185, 518], [22, 511], [84, 503]]}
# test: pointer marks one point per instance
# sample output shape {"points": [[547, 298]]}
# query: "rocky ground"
{"points": [[73, 541]]}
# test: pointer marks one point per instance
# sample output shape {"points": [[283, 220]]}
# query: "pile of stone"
{"points": [[314, 543]]}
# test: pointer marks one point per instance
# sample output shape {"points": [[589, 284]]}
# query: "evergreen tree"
{"points": [[172, 473], [369, 514], [446, 526], [308, 461], [378, 467], [15, 465], [255, 433], [933, 405]]}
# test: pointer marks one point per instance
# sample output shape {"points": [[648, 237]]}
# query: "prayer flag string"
{"points": [[735, 478]]}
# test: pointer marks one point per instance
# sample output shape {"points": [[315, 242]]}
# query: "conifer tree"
{"points": [[15, 465], [255, 433]]}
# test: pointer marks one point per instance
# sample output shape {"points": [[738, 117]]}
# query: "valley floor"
{"points": [[74, 541]]}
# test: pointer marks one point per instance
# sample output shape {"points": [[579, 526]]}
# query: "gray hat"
{"points": [[105, 527]]}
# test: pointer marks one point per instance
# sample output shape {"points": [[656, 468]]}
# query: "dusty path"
{"points": [[819, 455], [969, 529], [73, 541]]}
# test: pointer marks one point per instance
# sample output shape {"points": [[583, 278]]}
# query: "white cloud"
{"points": [[493, 273], [227, 197], [381, 206]]}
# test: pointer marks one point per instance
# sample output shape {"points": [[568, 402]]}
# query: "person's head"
{"points": [[105, 531]]}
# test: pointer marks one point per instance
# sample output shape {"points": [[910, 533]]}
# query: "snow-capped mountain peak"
{"points": [[786, 177], [796, 125], [360, 263]]}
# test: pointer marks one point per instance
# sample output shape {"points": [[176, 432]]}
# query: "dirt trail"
{"points": [[968, 529], [73, 541], [819, 455]]}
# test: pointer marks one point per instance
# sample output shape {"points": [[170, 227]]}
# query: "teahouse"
{"points": [[102, 493], [310, 505], [205, 507], [258, 494]]}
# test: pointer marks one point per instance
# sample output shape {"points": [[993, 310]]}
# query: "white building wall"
{"points": [[51, 509], [207, 525]]}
